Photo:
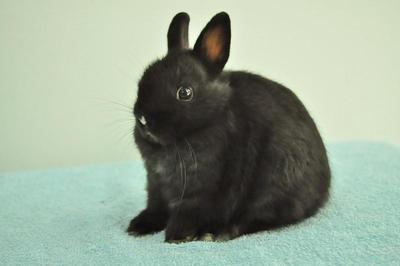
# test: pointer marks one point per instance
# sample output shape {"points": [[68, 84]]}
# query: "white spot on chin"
{"points": [[142, 120], [159, 168]]}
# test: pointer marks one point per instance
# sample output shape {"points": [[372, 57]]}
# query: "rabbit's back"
{"points": [[291, 170]]}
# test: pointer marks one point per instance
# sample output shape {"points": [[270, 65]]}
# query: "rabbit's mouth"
{"points": [[150, 136], [159, 132], [147, 135]]}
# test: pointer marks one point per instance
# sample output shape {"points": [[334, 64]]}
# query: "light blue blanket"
{"points": [[78, 216]]}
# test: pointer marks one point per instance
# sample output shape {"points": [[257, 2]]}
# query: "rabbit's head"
{"points": [[185, 91]]}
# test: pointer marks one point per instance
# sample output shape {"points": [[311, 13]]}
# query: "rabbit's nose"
{"points": [[142, 120]]}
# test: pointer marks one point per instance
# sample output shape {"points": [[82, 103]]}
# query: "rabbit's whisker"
{"points": [[183, 173], [193, 154]]}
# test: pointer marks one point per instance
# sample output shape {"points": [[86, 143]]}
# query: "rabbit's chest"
{"points": [[164, 167], [173, 174], [187, 170]]}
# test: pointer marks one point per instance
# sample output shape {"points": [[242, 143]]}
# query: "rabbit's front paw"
{"points": [[180, 230], [147, 222]]}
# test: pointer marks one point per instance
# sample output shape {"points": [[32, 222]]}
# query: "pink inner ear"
{"points": [[214, 44]]}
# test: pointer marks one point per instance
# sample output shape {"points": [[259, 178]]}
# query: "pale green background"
{"points": [[62, 63]]}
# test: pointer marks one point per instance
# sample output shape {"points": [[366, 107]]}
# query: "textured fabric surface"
{"points": [[78, 216]]}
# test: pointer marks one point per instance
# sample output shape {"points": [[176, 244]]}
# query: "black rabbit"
{"points": [[226, 153]]}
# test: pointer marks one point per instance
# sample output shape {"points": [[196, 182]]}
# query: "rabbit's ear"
{"points": [[213, 44], [178, 32]]}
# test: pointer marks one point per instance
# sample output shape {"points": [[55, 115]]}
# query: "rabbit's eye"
{"points": [[184, 93]]}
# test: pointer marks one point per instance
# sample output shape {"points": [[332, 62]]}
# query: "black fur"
{"points": [[178, 32], [242, 156]]}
